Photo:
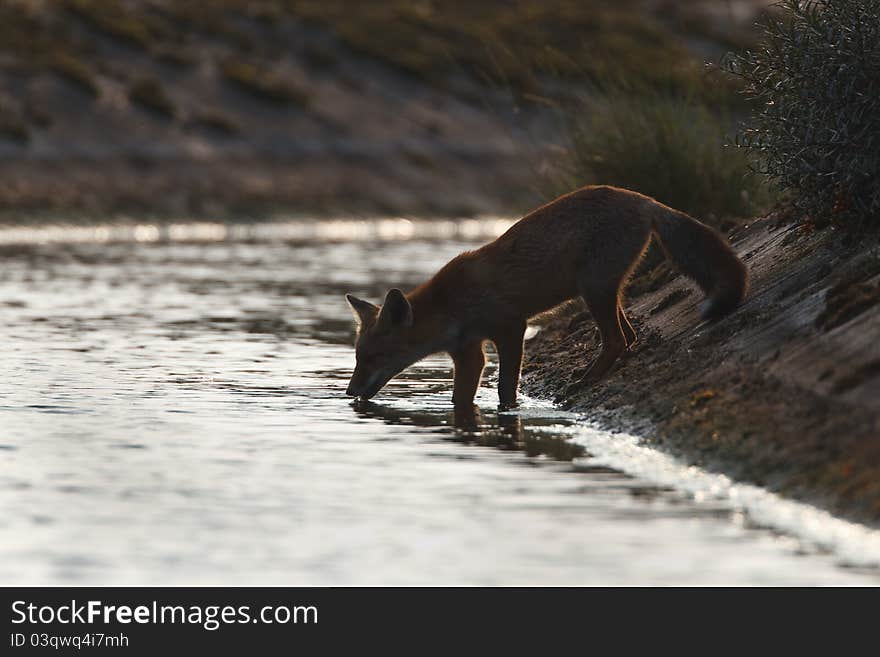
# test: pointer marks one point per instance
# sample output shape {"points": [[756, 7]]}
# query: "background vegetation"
{"points": [[591, 91], [646, 114], [675, 148], [521, 42], [815, 87]]}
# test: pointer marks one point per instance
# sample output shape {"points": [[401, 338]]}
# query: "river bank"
{"points": [[784, 393], [154, 109]]}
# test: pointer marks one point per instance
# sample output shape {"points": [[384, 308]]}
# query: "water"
{"points": [[174, 413]]}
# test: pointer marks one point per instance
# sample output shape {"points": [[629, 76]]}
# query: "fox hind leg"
{"points": [[600, 285], [603, 308], [600, 277]]}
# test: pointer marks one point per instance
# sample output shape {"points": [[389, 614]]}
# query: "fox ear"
{"points": [[396, 311], [364, 311]]}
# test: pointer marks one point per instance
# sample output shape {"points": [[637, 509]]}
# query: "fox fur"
{"points": [[586, 243]]}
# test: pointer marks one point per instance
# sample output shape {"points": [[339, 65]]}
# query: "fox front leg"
{"points": [[469, 362], [510, 353]]}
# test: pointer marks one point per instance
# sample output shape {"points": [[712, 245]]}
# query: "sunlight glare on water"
{"points": [[173, 412]]}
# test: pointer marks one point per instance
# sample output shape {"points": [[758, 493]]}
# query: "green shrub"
{"points": [[149, 94], [815, 83], [666, 146]]}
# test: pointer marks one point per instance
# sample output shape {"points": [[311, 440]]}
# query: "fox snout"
{"points": [[353, 389], [364, 386]]}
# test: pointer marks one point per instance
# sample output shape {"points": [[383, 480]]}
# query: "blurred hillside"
{"points": [[231, 108]]}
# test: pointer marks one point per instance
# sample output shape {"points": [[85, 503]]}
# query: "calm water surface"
{"points": [[174, 413]]}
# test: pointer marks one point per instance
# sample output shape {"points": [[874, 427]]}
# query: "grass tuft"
{"points": [[668, 147]]}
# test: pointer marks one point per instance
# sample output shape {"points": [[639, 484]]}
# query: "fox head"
{"points": [[385, 343]]}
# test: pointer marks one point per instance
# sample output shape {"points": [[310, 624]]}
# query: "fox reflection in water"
{"points": [[504, 431]]}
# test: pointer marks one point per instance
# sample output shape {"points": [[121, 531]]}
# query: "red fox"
{"points": [[585, 243]]}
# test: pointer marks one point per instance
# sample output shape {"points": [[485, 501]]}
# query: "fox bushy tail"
{"points": [[702, 254]]}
